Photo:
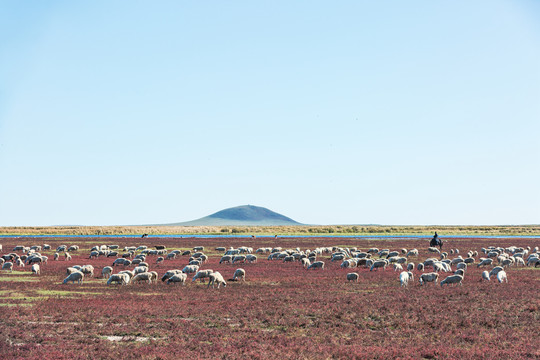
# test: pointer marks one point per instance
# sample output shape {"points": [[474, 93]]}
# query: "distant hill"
{"points": [[246, 215]]}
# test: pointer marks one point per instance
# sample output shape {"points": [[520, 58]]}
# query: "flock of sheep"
{"points": [[372, 259]]}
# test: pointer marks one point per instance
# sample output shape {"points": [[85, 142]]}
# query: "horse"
{"points": [[436, 242]]}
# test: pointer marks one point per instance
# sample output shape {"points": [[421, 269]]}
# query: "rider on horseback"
{"points": [[436, 241]]}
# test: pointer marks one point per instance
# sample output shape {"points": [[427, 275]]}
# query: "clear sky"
{"points": [[329, 112]]}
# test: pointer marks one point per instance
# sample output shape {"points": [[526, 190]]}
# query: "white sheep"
{"points": [[352, 277], [239, 273], [452, 279], [75, 276], [225, 258], [405, 277], [379, 264], [177, 278], [129, 273], [106, 272], [87, 270], [239, 258], [251, 258], [317, 265], [8, 266], [67, 256], [188, 269], [122, 279], [501, 276], [305, 262], [140, 269], [216, 277], [410, 266], [170, 273], [485, 276], [202, 274], [429, 277], [398, 267], [459, 272], [495, 270], [484, 262], [413, 252], [144, 276], [35, 269]]}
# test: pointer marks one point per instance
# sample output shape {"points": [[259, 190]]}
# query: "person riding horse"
{"points": [[436, 241]]}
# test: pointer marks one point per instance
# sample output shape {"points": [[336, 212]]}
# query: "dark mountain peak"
{"points": [[242, 215]]}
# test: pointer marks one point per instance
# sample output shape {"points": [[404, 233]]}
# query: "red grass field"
{"points": [[281, 311]]}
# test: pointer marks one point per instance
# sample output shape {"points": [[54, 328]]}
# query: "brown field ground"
{"points": [[280, 311]]}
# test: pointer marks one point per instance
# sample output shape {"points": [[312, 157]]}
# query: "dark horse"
{"points": [[436, 241]]}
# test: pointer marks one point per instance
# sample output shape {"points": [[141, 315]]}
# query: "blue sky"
{"points": [[348, 112]]}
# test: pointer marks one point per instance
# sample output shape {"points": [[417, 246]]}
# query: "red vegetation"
{"points": [[281, 311]]}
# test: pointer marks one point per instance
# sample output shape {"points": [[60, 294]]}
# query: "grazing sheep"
{"points": [[379, 264], [121, 261], [35, 269], [140, 269], [405, 277], [216, 277], [188, 269], [501, 276], [144, 276], [239, 258], [519, 261], [8, 266], [121, 279], [71, 270], [420, 267], [496, 270], [452, 279], [398, 267], [429, 277], [484, 262], [485, 276], [75, 276], [462, 266], [87, 270], [170, 273], [106, 272], [410, 266], [56, 256], [459, 272], [202, 274], [67, 257], [225, 258], [434, 250], [221, 248], [413, 252], [239, 273], [352, 277], [251, 258], [316, 265], [130, 274], [337, 257], [159, 260], [177, 278], [198, 248], [305, 262]]}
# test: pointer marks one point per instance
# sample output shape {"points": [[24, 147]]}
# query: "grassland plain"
{"points": [[280, 311], [518, 230]]}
